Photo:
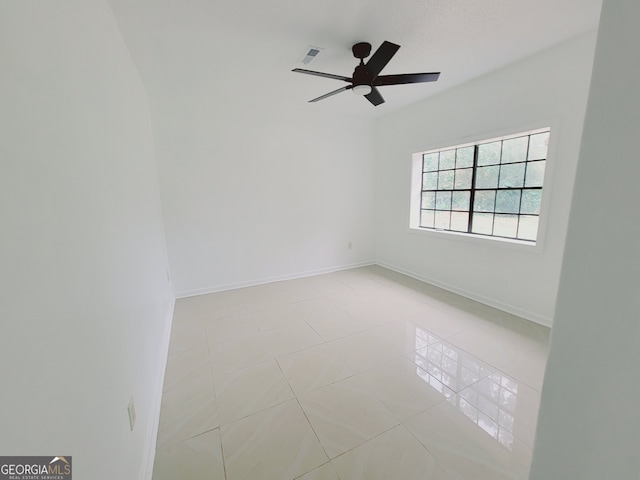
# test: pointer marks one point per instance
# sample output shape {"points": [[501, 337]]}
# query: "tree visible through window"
{"points": [[490, 188]]}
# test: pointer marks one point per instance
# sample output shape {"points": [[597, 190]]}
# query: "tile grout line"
{"points": [[295, 396]]}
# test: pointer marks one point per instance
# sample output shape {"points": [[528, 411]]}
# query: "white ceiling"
{"points": [[217, 50]]}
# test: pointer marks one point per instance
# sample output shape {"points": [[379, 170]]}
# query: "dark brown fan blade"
{"points": [[406, 78], [375, 97], [348, 87], [321, 74], [381, 57]]}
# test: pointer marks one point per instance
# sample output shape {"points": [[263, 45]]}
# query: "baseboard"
{"points": [[531, 316], [150, 454], [262, 281], [520, 312]]}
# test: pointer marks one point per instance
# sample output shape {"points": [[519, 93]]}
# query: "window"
{"points": [[491, 188]]}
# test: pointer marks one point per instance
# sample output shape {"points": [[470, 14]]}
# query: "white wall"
{"points": [[253, 192], [547, 89], [589, 426], [84, 300], [256, 183]]}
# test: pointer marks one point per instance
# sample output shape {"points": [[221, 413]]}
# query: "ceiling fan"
{"points": [[366, 77]]}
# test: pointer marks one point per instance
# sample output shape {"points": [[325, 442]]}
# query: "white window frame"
{"points": [[416, 189]]}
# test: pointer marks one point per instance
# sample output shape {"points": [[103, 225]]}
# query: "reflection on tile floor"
{"points": [[359, 374]]}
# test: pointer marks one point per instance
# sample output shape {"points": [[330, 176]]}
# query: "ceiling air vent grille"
{"points": [[311, 55]]}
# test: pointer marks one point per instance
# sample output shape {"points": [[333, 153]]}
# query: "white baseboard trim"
{"points": [[534, 317], [262, 281], [526, 314], [150, 453]]}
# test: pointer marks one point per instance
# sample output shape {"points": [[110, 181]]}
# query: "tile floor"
{"points": [[359, 374]]}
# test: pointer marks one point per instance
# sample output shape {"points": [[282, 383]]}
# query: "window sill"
{"points": [[485, 240]]}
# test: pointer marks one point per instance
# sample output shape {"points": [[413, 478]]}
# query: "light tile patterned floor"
{"points": [[359, 374]]}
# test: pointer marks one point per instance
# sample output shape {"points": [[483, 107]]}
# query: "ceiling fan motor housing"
{"points": [[362, 76], [361, 50]]}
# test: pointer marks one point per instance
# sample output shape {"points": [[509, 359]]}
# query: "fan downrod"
{"points": [[361, 50]]}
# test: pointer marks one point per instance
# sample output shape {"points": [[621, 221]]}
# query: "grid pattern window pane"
{"points": [[491, 188]]}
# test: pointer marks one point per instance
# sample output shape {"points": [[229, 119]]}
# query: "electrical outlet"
{"points": [[349, 246], [131, 408]]}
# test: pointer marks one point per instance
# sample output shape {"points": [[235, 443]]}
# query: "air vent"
{"points": [[311, 55]]}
